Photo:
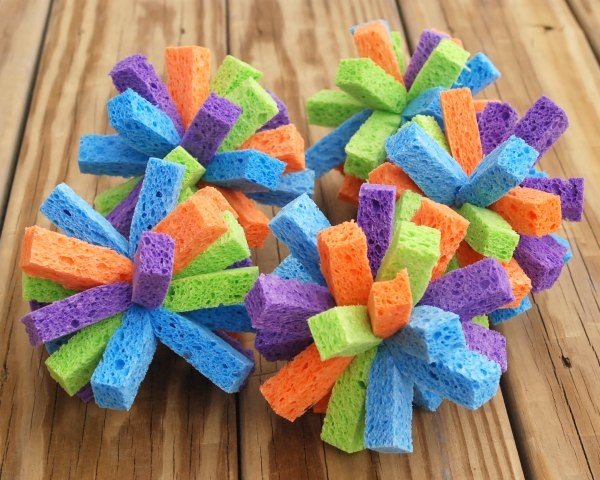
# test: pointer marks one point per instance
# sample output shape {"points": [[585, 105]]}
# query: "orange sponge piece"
{"points": [[530, 211], [345, 264], [452, 226], [466, 255], [321, 405], [284, 143], [218, 198], [461, 126], [349, 189], [71, 262], [480, 104], [194, 225], [188, 71], [389, 174], [374, 41], [389, 306], [302, 382]]}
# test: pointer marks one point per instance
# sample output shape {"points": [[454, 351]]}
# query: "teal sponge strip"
{"points": [[342, 331], [366, 149], [406, 206], [43, 290], [230, 74], [426, 399], [488, 233], [427, 103], [503, 314], [109, 155], [430, 125], [479, 72], [368, 83], [108, 199], [290, 186], [331, 108]]}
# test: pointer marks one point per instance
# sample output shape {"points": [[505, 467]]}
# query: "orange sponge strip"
{"points": [[389, 306], [389, 174], [71, 262], [218, 198], [321, 405], [349, 189], [462, 131], [345, 264], [194, 225], [302, 382], [466, 255], [530, 211], [373, 41], [480, 104], [188, 70], [284, 143]]}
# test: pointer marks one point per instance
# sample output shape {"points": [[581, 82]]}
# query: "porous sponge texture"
{"points": [[109, 155], [108, 199], [406, 206], [43, 290], [373, 40], [231, 73], [284, 143], [153, 269], [350, 189], [331, 108], [389, 305], [389, 174]]}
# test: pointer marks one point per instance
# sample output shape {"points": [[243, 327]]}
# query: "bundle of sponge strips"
{"points": [[231, 133]]}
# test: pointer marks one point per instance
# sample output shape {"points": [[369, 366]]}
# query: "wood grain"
{"points": [[587, 13]]}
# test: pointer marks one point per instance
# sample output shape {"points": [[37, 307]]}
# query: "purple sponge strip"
{"points": [[153, 269], [210, 126], [246, 262], [120, 217], [35, 305], [496, 122], [73, 313], [280, 345], [281, 118], [541, 258], [427, 42], [487, 342], [136, 73], [376, 218], [86, 394], [473, 290], [570, 192]]}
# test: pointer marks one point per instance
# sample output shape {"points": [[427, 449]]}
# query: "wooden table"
{"points": [[545, 422]]}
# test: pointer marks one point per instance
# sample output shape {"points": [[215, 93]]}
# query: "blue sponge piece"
{"points": [[426, 399], [244, 170], [430, 334], [142, 125], [231, 318], [290, 186], [565, 243], [292, 269], [128, 355], [208, 353], [535, 173], [428, 103], [388, 422], [158, 196], [503, 314], [330, 151], [297, 225], [426, 162], [110, 155], [479, 72], [498, 173], [69, 212]]}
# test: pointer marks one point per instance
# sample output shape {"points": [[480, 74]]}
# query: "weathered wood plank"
{"points": [[551, 387], [587, 13]]}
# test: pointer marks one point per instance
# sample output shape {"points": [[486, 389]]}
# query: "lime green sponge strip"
{"points": [[488, 233], [108, 199], [42, 290], [406, 206], [441, 69], [344, 424], [342, 331], [186, 193], [229, 248], [369, 84], [193, 169], [397, 46], [227, 287], [231, 74], [366, 149], [330, 108], [482, 320], [430, 125], [73, 364]]}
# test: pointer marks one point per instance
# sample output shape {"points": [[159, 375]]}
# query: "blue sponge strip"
{"points": [[479, 72], [388, 422], [565, 243], [69, 212], [208, 353], [428, 103], [231, 318], [330, 151], [498, 173], [290, 186], [503, 314], [430, 335], [292, 269], [142, 125], [53, 345], [297, 225], [426, 399], [110, 155], [158, 196], [426, 162], [128, 355], [535, 173], [244, 170]]}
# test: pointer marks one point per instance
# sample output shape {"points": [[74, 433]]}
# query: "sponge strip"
{"points": [[565, 243], [426, 399], [73, 313], [231, 73], [121, 216], [231, 318], [281, 118], [109, 155], [284, 143], [153, 269], [42, 290], [291, 268], [107, 200], [397, 45], [193, 169], [520, 283], [389, 174], [479, 73], [541, 258], [430, 125], [427, 103], [496, 122], [428, 40], [503, 314], [290, 187], [487, 342], [373, 41], [330, 108], [389, 305], [283, 345], [406, 207], [349, 189], [570, 192], [69, 212]]}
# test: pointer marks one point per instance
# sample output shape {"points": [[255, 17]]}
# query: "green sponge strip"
{"points": [[227, 287], [344, 424], [453, 265], [406, 206], [441, 69], [488, 233], [229, 248], [73, 364], [110, 198], [186, 193], [416, 248], [193, 169], [258, 107], [368, 83], [42, 290], [330, 108], [430, 125], [366, 149], [342, 331], [231, 73], [397, 46], [482, 320]]}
